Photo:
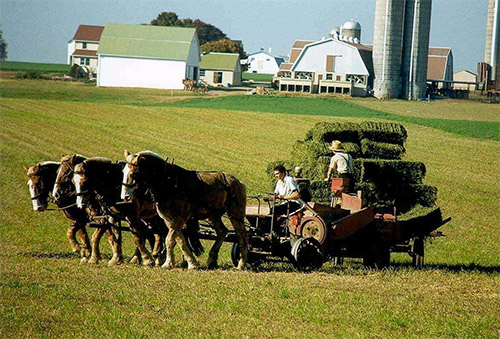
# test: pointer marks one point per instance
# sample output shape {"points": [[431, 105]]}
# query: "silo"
{"points": [[351, 30], [387, 47], [493, 40], [415, 48], [335, 32]]}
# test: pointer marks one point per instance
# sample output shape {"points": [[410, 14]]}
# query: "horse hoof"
{"points": [[147, 262], [94, 261], [134, 260], [167, 266], [212, 266], [84, 260], [193, 266]]}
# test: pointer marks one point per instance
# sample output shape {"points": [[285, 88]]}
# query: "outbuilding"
{"points": [[262, 62], [82, 49], [220, 69], [147, 56]]}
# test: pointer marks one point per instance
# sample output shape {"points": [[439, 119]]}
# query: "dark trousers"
{"points": [[282, 209]]}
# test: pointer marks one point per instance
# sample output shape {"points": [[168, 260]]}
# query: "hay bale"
{"points": [[383, 132], [387, 172], [381, 150], [320, 191], [328, 131]]}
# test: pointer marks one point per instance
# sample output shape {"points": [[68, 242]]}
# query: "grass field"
{"points": [[256, 77], [31, 66], [44, 292]]}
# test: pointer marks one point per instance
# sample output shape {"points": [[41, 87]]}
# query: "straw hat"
{"points": [[336, 146]]}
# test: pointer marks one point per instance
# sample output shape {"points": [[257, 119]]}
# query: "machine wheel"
{"points": [[307, 254], [313, 227], [378, 255], [418, 253], [235, 256]]}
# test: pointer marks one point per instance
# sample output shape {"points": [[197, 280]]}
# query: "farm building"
{"points": [[82, 49], [262, 62], [147, 56], [327, 66], [465, 80], [440, 66], [220, 68]]}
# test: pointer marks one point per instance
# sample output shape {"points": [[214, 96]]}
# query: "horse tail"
{"points": [[193, 237]]}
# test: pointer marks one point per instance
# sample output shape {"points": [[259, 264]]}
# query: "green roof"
{"points": [[219, 61], [157, 42]]}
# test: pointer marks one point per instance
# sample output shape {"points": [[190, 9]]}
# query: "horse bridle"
{"points": [[67, 183], [42, 186]]}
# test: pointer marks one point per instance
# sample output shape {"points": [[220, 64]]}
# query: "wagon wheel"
{"points": [[307, 254], [235, 256], [418, 253], [313, 227], [377, 255]]}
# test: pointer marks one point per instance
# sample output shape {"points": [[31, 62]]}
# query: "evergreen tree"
{"points": [[3, 47]]}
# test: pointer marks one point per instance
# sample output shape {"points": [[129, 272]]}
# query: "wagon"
{"points": [[317, 233]]}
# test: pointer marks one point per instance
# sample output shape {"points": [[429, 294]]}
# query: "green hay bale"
{"points": [[383, 132], [328, 131], [381, 150], [390, 172], [320, 191]]}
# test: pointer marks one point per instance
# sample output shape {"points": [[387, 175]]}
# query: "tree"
{"points": [[167, 19], [206, 32], [3, 47], [224, 46]]}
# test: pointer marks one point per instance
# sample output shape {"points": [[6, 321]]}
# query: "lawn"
{"points": [[44, 292], [31, 66]]}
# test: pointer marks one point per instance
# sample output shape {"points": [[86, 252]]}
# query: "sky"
{"points": [[38, 30]]}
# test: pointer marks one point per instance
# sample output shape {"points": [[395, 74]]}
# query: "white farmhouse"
{"points": [[262, 62], [147, 56], [82, 49]]}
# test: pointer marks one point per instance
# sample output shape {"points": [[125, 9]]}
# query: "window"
{"points": [[329, 76], [356, 79], [338, 78], [202, 72], [84, 45], [303, 75], [268, 59], [84, 61], [217, 77]]}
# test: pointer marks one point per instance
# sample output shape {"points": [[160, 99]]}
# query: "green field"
{"points": [[31, 66], [256, 77], [45, 292]]}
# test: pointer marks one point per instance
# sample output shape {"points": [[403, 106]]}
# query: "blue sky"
{"points": [[38, 30]]}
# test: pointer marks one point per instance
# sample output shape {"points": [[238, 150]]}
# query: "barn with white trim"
{"points": [[147, 56]]}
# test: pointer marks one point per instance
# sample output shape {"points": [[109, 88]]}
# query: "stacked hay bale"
{"points": [[377, 149]]}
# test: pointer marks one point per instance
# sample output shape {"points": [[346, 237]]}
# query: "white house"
{"points": [[82, 49], [327, 66], [220, 69], [465, 80], [147, 56], [262, 62]]}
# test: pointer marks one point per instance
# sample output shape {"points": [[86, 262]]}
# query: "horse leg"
{"points": [[239, 228], [115, 240], [169, 244], [188, 256], [135, 227], [96, 253], [84, 237], [221, 231], [75, 246]]}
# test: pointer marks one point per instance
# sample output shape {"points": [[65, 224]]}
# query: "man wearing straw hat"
{"points": [[342, 163]]}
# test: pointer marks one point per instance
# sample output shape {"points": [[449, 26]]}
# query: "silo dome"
{"points": [[351, 29], [335, 32], [351, 24]]}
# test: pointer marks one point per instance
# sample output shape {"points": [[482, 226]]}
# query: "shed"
{"points": [[440, 66], [147, 56], [465, 80], [220, 68], [262, 62]]}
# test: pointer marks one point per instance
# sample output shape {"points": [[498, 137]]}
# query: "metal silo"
{"points": [[387, 47], [351, 30], [493, 40], [415, 48]]}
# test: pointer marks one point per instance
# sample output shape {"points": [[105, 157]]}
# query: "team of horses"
{"points": [[161, 203]]}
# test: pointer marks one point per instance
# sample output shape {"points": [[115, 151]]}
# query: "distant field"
{"points": [[30, 66], [257, 77], [45, 292]]}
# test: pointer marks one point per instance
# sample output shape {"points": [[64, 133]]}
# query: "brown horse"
{"points": [[42, 177], [181, 195]]}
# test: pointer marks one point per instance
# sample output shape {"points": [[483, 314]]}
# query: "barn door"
{"points": [[217, 77]]}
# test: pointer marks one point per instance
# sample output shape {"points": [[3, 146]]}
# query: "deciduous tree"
{"points": [[3, 47], [224, 46]]}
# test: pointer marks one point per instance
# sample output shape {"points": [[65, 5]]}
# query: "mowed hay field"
{"points": [[45, 292]]}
